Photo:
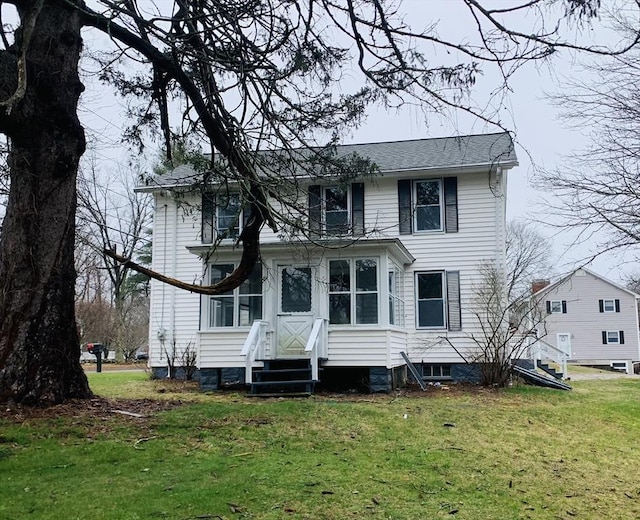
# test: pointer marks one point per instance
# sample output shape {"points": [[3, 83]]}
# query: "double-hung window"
{"points": [[228, 215], [613, 337], [239, 307], [337, 209], [431, 300], [612, 305], [428, 207], [353, 291]]}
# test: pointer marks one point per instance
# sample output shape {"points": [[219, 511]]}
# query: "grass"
{"points": [[521, 453]]}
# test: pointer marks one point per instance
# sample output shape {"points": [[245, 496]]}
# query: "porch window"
{"points": [[396, 302], [431, 300], [240, 307], [353, 291]]}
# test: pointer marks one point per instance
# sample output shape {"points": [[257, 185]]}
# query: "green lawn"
{"points": [[522, 453]]}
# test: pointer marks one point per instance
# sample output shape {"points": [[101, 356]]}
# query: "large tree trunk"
{"points": [[39, 345]]}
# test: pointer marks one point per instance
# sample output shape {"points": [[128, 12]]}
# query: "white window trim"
{"points": [[414, 210], [235, 296], [396, 299], [240, 216], [613, 305], [559, 302], [617, 341], [353, 292], [445, 303], [323, 205]]}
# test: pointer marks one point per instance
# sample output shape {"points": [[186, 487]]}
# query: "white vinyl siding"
{"points": [[587, 320], [479, 210]]}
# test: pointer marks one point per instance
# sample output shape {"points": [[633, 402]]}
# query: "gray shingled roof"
{"points": [[444, 152], [419, 154]]}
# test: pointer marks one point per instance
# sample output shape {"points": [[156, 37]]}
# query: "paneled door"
{"points": [[564, 342], [295, 309]]}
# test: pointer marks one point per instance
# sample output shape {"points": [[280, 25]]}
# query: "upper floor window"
{"points": [[222, 216], [239, 307], [609, 305], [228, 215], [336, 210], [428, 205], [353, 291], [556, 306]]}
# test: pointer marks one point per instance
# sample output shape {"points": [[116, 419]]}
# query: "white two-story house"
{"points": [[592, 320], [349, 305]]}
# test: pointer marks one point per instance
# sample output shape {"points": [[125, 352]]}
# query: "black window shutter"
{"points": [[357, 208], [621, 332], [601, 304], [207, 218], [453, 301], [450, 204], [604, 337], [315, 210], [617, 305], [404, 206], [548, 307], [564, 306]]}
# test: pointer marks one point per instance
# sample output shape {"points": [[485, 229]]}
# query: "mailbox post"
{"points": [[96, 349]]}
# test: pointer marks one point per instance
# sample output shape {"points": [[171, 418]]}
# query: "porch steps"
{"points": [[545, 367], [283, 378]]}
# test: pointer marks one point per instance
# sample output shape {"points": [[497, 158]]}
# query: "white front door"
{"points": [[564, 342], [295, 309]]}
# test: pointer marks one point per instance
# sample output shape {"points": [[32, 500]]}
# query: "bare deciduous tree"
{"points": [[596, 192], [506, 330], [529, 256]]}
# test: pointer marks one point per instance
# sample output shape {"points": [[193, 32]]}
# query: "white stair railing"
{"points": [[253, 344], [317, 346], [546, 350]]}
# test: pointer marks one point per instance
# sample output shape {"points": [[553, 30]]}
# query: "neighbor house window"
{"points": [[428, 205], [239, 307], [556, 306], [613, 337], [396, 302], [228, 215], [353, 291], [612, 305], [430, 300]]}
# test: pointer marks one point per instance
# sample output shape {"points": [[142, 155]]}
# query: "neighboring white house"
{"points": [[592, 319], [422, 226]]}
